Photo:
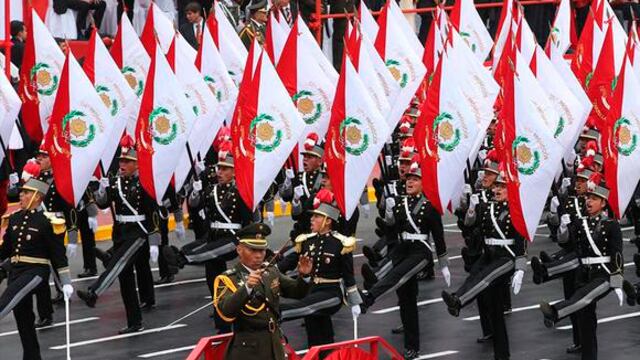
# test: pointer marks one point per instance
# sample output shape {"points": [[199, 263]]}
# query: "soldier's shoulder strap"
{"points": [[248, 30], [348, 242], [221, 285], [301, 239], [6, 217], [58, 224]]}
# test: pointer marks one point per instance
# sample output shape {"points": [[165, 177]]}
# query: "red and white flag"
{"points": [[504, 30], [401, 59], [356, 135], [563, 32], [531, 155], [602, 81], [39, 78], [587, 49], [620, 138], [368, 24], [395, 14], [131, 57], [276, 35], [9, 108], [265, 130], [165, 121], [433, 46], [204, 104], [326, 65], [115, 93], [467, 21], [231, 48], [79, 130], [445, 134]]}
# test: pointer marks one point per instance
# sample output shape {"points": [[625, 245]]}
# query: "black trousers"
{"points": [[408, 303], [408, 258], [495, 305], [569, 288], [18, 297], [88, 241], [43, 299], [144, 277], [587, 325], [164, 241], [125, 255], [83, 8], [483, 311]]}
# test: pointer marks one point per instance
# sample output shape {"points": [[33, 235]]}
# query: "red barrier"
{"points": [[347, 350], [214, 348]]}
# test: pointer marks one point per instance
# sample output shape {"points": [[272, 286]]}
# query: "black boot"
{"points": [[59, 299], [104, 256], [369, 276], [173, 256], [371, 256], [43, 322], [636, 260], [550, 314], [545, 257], [398, 330], [89, 297], [538, 270], [630, 292], [164, 280], [367, 300], [574, 349], [453, 303], [88, 273], [485, 339], [131, 329]]}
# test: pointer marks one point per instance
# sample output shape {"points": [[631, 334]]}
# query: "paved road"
{"points": [[93, 331]]}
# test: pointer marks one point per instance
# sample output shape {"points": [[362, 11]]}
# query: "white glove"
{"points": [[618, 292], [366, 210], [298, 191], [467, 189], [154, 252], [72, 249], [200, 167], [197, 186], [474, 200], [93, 223], [289, 174], [516, 281], [271, 218], [565, 219], [390, 203], [447, 275], [180, 230], [355, 311], [67, 290], [13, 179], [566, 182], [553, 206], [104, 184]]}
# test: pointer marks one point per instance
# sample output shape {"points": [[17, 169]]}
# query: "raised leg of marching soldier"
{"points": [[145, 279], [88, 235]]}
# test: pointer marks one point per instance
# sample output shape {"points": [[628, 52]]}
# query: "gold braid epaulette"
{"points": [[348, 242]]}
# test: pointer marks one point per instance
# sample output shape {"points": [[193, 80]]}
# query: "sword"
{"points": [[66, 325]]}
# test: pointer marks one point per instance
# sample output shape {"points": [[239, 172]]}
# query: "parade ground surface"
{"points": [[94, 331]]}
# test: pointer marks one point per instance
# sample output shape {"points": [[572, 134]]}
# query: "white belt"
{"points": [[595, 260], [414, 237], [225, 226], [130, 218], [498, 242]]}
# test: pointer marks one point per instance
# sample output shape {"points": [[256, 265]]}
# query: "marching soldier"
{"points": [[414, 218], [598, 242], [256, 25], [135, 239], [226, 214], [34, 242], [248, 296], [332, 256], [503, 258]]}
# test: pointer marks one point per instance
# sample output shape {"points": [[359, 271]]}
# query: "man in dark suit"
{"points": [[83, 7], [182, 12], [18, 37], [288, 10], [192, 29]]}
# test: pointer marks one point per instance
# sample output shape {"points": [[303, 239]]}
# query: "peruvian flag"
{"points": [[602, 82], [395, 15], [165, 121], [231, 48], [39, 78], [634, 53], [467, 21], [433, 47], [120, 100], [311, 92], [401, 59], [79, 130], [564, 70], [531, 155], [368, 24], [571, 111], [563, 32], [9, 107], [204, 104], [131, 57], [159, 27], [265, 130], [587, 50], [276, 35], [326, 65], [620, 138], [525, 39], [504, 29], [215, 74], [445, 134], [356, 135]]}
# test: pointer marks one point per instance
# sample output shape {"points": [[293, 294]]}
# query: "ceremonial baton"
{"points": [[355, 328], [66, 324]]}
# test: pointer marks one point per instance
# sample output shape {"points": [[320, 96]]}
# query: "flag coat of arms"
{"points": [[165, 121], [402, 61], [231, 48], [117, 96], [445, 135], [619, 140], [9, 108], [79, 130], [131, 57], [356, 135], [39, 78], [204, 104], [266, 128], [467, 21], [531, 154]]}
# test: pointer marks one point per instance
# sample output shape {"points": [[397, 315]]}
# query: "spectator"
{"points": [[182, 9], [18, 37], [83, 7], [288, 10], [192, 30]]}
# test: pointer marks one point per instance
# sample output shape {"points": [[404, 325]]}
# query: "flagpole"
{"points": [[193, 166]]}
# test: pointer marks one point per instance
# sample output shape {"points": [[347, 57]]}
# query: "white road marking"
{"points": [[607, 319], [167, 352], [117, 337], [514, 310], [72, 322], [396, 308], [437, 355]]}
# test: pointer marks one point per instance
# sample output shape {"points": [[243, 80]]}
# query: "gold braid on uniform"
{"points": [[58, 224], [229, 285], [300, 239], [348, 243]]}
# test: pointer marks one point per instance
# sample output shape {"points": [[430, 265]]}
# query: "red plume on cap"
{"points": [[492, 155], [323, 196], [594, 180], [30, 169], [415, 164], [126, 142], [311, 141], [225, 149], [585, 163], [224, 134], [405, 125], [590, 124], [408, 145], [591, 148]]}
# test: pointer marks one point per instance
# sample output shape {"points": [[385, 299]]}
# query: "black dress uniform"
{"points": [[598, 241], [34, 242], [255, 312], [504, 251], [135, 228]]}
